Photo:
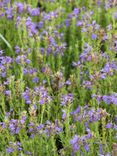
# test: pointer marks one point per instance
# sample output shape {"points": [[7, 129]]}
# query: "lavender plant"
{"points": [[58, 71]]}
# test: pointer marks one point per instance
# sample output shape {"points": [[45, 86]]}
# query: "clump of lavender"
{"points": [[58, 78]]}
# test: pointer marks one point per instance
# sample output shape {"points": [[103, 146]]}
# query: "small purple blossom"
{"points": [[86, 147], [10, 150], [79, 23], [8, 92], [94, 36], [66, 99]]}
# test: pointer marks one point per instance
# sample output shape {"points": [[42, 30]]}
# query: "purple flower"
{"points": [[52, 128], [10, 13], [64, 114], [49, 50], [3, 124], [67, 99], [35, 79], [35, 12], [14, 127], [79, 23], [76, 147], [107, 99], [39, 127], [27, 61], [8, 92], [78, 110], [87, 148], [87, 84], [17, 49], [101, 149], [22, 59], [94, 36], [42, 49], [31, 27], [99, 2], [42, 101], [22, 121], [74, 140], [27, 95], [40, 24], [20, 7], [28, 153], [76, 11], [68, 82], [75, 144], [109, 125], [67, 22], [10, 150]]}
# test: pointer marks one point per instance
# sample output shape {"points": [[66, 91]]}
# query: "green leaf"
{"points": [[6, 42]]}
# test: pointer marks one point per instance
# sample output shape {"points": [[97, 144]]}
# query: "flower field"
{"points": [[58, 78]]}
